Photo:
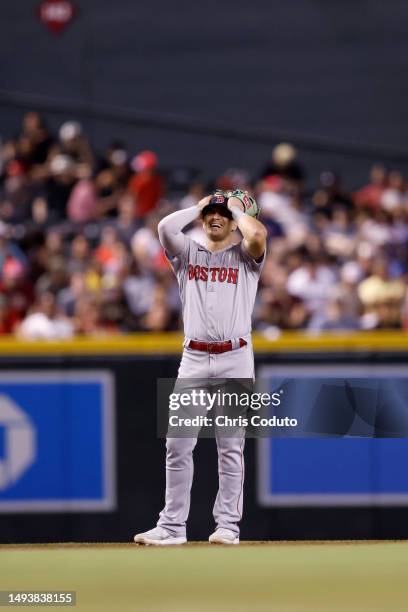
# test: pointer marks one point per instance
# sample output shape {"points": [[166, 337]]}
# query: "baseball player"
{"points": [[218, 284]]}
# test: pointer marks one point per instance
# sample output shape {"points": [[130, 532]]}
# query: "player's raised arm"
{"points": [[253, 231], [170, 228]]}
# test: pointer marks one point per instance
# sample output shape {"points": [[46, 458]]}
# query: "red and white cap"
{"points": [[146, 160]]}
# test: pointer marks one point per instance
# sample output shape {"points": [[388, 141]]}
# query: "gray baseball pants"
{"points": [[227, 510]]}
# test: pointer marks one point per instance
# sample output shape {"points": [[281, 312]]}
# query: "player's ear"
{"points": [[233, 226]]}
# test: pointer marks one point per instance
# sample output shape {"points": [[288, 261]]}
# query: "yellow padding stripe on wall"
{"points": [[171, 344]]}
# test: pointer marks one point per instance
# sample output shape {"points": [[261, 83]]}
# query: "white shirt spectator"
{"points": [[312, 285], [37, 326], [280, 207]]}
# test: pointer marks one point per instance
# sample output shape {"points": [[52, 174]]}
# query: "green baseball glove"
{"points": [[250, 205]]}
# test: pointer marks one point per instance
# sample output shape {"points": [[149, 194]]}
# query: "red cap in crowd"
{"points": [[13, 268], [273, 181], [146, 160], [15, 168]]}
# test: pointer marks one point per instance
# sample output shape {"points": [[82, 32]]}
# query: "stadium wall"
{"points": [[136, 461], [312, 74]]}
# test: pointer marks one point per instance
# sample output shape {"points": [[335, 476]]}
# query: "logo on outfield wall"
{"points": [[17, 442], [57, 441]]}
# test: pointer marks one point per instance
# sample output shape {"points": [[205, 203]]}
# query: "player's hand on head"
{"points": [[235, 203], [203, 202]]}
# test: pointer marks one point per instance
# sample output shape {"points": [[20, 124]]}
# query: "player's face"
{"points": [[217, 226]]}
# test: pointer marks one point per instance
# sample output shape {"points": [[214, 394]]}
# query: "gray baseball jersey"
{"points": [[217, 290]]}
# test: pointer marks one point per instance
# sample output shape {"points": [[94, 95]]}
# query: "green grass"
{"points": [[286, 577]]}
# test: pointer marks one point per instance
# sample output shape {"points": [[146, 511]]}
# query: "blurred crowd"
{"points": [[79, 252]]}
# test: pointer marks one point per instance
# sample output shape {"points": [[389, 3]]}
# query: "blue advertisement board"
{"points": [[57, 441], [331, 471]]}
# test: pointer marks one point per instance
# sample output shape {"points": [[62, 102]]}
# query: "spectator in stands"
{"points": [[16, 193], [16, 290], [284, 163], [281, 207], [112, 179], [88, 318], [41, 217], [79, 254], [331, 193], [35, 130], [82, 201], [9, 249], [374, 228], [340, 234], [116, 161], [54, 244], [145, 244], [233, 178], [55, 276], [382, 297], [74, 144], [138, 290], [334, 318], [193, 195], [395, 194], [311, 283], [6, 326], [146, 185], [110, 253], [346, 292], [158, 316], [58, 187], [68, 297], [370, 195], [44, 322], [126, 223]]}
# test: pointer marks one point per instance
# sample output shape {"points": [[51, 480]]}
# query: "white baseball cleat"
{"points": [[223, 536], [158, 537]]}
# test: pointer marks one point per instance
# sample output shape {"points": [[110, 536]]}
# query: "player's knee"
{"points": [[179, 450], [230, 457], [227, 445]]}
